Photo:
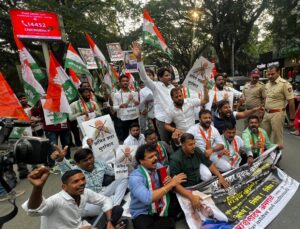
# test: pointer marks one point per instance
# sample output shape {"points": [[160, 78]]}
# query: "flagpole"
{"points": [[46, 55]]}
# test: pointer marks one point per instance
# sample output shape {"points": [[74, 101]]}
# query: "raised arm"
{"points": [[37, 178], [137, 51]]}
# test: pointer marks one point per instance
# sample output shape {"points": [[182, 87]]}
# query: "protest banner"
{"points": [[88, 57], [115, 52], [102, 131], [255, 197], [201, 70], [218, 96], [132, 111], [83, 118], [53, 118], [130, 62], [121, 162]]}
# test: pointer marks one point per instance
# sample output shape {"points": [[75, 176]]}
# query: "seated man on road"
{"points": [[150, 199], [256, 138], [163, 149], [192, 162], [94, 171], [225, 114], [135, 137], [63, 210], [207, 137], [231, 156]]}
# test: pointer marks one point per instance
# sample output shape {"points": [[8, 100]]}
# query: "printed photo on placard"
{"points": [[115, 52], [130, 62], [88, 57]]}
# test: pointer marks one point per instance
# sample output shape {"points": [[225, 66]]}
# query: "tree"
{"points": [[285, 27], [99, 18]]}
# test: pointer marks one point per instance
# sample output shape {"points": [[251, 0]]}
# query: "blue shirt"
{"points": [[141, 196], [94, 179]]}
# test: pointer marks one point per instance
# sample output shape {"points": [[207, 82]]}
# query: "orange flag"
{"points": [[9, 103]]}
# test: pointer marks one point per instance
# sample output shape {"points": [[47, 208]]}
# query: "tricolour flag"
{"points": [[25, 55], [32, 87], [9, 103], [96, 51], [74, 78], [59, 82], [152, 35], [74, 62]]}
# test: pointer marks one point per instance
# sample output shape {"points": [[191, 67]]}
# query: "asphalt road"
{"points": [[287, 219]]}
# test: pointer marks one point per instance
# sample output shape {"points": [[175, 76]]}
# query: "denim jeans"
{"points": [[64, 137], [2, 190]]}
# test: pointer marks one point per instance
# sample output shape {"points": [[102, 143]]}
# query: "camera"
{"points": [[27, 149]]}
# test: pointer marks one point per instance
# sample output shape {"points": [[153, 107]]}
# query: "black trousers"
{"points": [[153, 222]]}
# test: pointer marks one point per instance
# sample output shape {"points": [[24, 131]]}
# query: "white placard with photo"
{"points": [[83, 118], [102, 131], [201, 70]]}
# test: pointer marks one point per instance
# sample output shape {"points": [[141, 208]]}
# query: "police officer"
{"points": [[278, 91], [254, 93]]}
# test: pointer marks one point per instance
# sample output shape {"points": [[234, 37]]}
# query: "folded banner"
{"points": [[255, 197]]}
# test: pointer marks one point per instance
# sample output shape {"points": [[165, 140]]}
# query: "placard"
{"points": [[115, 52], [35, 25], [201, 70], [132, 111], [53, 118], [130, 62], [102, 131], [88, 57], [82, 118]]}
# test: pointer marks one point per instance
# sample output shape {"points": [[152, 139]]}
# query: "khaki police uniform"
{"points": [[277, 94], [254, 96]]}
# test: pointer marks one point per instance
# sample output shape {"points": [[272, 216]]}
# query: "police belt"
{"points": [[274, 110]]}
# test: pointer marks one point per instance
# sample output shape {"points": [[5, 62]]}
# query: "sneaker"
{"points": [[12, 195], [55, 170]]}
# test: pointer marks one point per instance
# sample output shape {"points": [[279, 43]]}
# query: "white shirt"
{"points": [[132, 141], [161, 93], [228, 91], [231, 149], [190, 93], [61, 211], [184, 117], [130, 113], [200, 141], [146, 101]]}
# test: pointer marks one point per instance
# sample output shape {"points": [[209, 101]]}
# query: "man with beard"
{"points": [[207, 136], [84, 106], [224, 114], [94, 171], [255, 138], [135, 138], [234, 149], [63, 210], [190, 160], [150, 200], [125, 101], [181, 112], [163, 149], [160, 89], [221, 92]]}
